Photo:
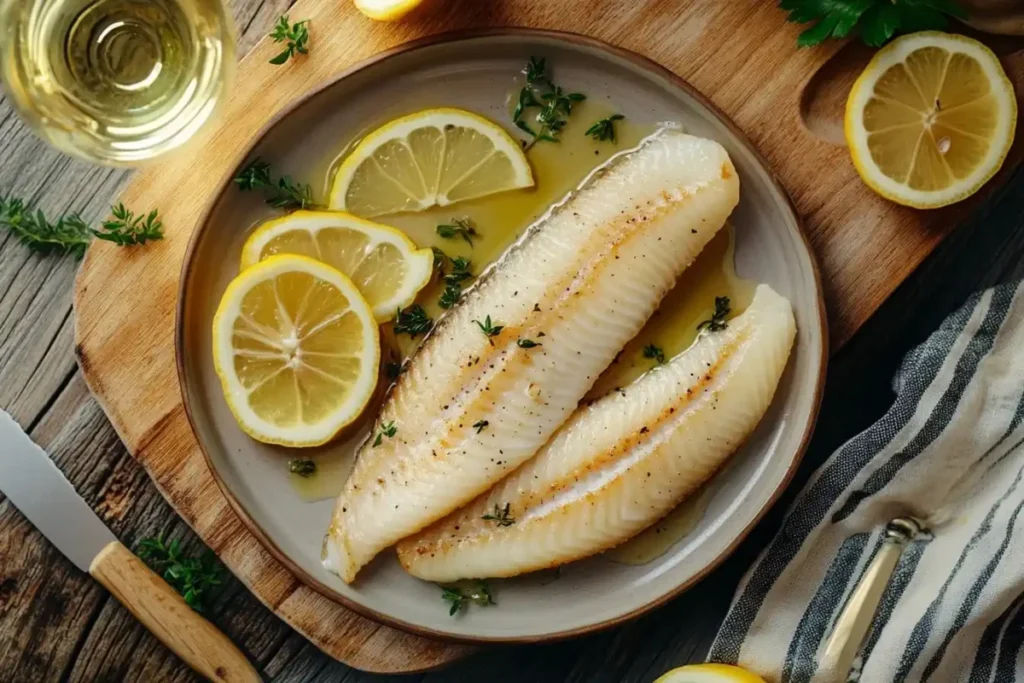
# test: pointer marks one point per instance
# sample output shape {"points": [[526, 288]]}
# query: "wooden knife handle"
{"points": [[165, 614]]}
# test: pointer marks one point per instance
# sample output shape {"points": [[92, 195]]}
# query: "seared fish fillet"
{"points": [[621, 464], [471, 407]]}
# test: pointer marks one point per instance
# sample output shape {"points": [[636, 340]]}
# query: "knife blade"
{"points": [[37, 487]]}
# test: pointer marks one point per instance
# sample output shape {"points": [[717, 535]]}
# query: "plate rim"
{"points": [[641, 62]]}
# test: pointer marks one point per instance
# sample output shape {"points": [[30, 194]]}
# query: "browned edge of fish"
{"points": [[640, 62]]}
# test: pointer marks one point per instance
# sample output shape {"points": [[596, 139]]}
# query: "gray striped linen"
{"points": [[949, 452]]}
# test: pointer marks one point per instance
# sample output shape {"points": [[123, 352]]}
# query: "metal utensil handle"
{"points": [[858, 614]]}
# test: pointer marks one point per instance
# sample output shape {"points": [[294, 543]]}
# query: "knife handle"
{"points": [[165, 614]]}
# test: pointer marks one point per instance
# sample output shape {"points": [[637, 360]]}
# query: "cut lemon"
{"points": [[709, 673], [383, 263], [386, 10], [296, 348], [931, 119], [432, 158]]}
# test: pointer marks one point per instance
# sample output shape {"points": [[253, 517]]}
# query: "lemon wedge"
{"points": [[386, 10], [296, 348], [931, 119], [709, 673], [432, 158], [384, 264]]}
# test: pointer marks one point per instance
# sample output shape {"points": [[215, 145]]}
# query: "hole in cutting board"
{"points": [[823, 100]]}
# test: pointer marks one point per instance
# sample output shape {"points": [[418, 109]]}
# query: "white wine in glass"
{"points": [[116, 81]]}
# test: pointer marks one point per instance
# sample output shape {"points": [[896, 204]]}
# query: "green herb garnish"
{"points": [[489, 328], [527, 343], [501, 515], [69, 235], [387, 429], [304, 467], [453, 282], [440, 258], [413, 321], [461, 594], [875, 21], [296, 35], [717, 320], [479, 425], [193, 577], [284, 194], [554, 104], [459, 227], [655, 353], [126, 229], [604, 129]]}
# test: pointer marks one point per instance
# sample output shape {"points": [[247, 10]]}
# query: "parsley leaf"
{"points": [[295, 35], [875, 21]]}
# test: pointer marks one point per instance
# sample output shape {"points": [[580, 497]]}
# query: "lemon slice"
{"points": [[709, 673], [386, 10], [432, 158], [296, 348], [931, 119], [383, 263]]}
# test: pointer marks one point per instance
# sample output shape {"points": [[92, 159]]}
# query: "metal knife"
{"points": [[30, 479]]}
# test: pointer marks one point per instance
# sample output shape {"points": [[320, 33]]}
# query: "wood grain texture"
{"points": [[740, 54], [164, 613]]}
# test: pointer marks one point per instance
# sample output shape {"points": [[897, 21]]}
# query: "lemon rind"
{"points": [[223, 355], [396, 10], [856, 135]]}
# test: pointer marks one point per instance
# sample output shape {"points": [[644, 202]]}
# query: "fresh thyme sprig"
{"points": [[875, 21], [459, 227], [195, 578], [488, 328], [296, 35], [465, 592], [413, 321], [387, 429], [284, 194], [654, 353], [501, 515], [554, 104], [303, 467], [126, 229], [717, 320], [69, 235], [453, 282], [604, 129]]}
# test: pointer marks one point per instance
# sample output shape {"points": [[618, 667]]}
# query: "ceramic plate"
{"points": [[476, 72]]}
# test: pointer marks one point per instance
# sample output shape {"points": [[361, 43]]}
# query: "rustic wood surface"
{"points": [[57, 624]]}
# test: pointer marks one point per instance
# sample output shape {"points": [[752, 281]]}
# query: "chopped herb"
{"points": [[655, 353], [387, 429], [605, 128], [453, 282], [501, 515], [875, 21], [392, 370], [527, 343], [717, 320], [193, 577], [296, 35], [440, 258], [459, 227], [284, 194], [303, 468], [480, 424], [488, 328], [461, 594], [126, 229], [554, 104], [413, 321], [450, 296]]}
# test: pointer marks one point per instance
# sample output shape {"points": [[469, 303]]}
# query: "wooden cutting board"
{"points": [[739, 53]]}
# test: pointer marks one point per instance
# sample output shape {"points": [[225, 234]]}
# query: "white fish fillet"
{"points": [[470, 408], [621, 464]]}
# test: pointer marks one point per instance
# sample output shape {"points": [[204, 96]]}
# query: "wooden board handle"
{"points": [[165, 614]]}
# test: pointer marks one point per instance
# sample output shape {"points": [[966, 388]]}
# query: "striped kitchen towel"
{"points": [[949, 452]]}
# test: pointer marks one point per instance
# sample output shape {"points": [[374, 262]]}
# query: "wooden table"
{"points": [[56, 624]]}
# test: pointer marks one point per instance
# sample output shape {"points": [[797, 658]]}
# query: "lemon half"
{"points": [[432, 158], [931, 119], [384, 264], [386, 10], [296, 349], [709, 673]]}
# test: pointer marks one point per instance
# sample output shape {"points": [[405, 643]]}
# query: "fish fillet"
{"points": [[470, 408], [621, 464]]}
